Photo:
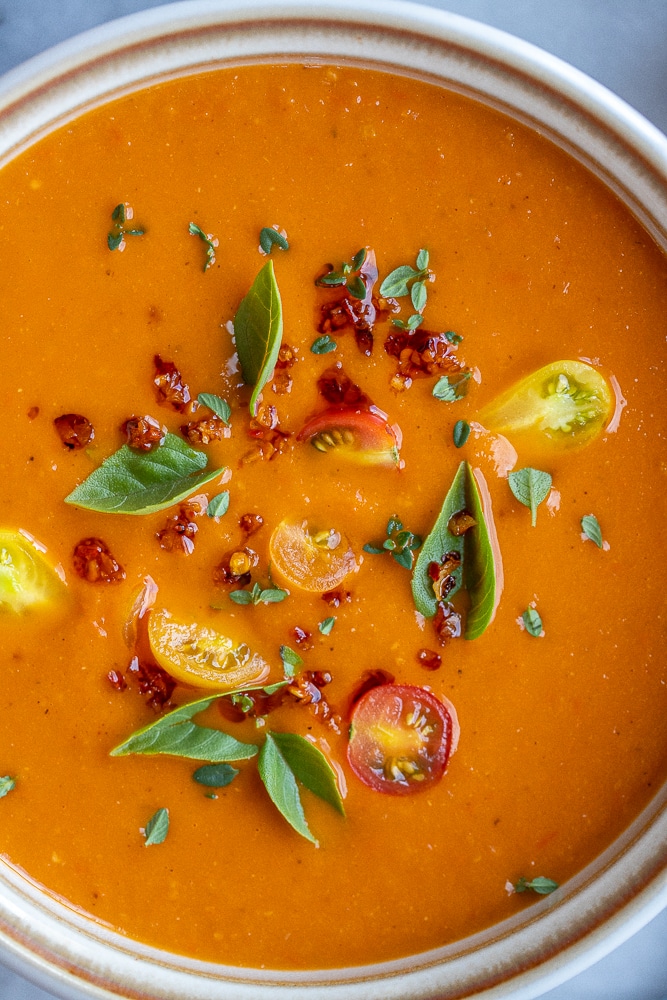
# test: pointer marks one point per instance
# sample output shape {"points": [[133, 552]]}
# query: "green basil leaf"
{"points": [[269, 237], [323, 345], [326, 625], [219, 405], [477, 571], [530, 487], [131, 482], [418, 296], [310, 767], [541, 885], [290, 657], [532, 622], [241, 597], [461, 433], [439, 541], [280, 783], [177, 735], [395, 285], [449, 388], [258, 329], [479, 565], [591, 529], [157, 828], [215, 775], [7, 785], [218, 505]]}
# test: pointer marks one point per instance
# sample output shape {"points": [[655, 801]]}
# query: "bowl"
{"points": [[61, 949]]}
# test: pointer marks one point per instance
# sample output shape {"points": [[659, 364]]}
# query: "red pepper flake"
{"points": [[143, 433], [94, 563], [302, 637], [117, 680], [250, 523], [359, 312], [179, 532], [153, 681], [338, 388], [421, 353], [205, 430], [334, 598], [171, 389], [370, 679], [306, 689], [428, 659], [265, 430], [447, 623], [442, 574], [74, 430]]}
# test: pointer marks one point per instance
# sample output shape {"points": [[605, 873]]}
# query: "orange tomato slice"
{"points": [[316, 561], [201, 657]]}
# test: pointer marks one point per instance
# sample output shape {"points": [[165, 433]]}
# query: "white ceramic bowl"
{"points": [[620, 892]]}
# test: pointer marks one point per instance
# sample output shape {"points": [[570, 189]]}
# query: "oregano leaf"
{"points": [[157, 828], [530, 487]]}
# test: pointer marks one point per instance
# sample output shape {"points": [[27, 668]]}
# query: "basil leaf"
{"points": [[215, 775], [220, 406], [258, 329], [269, 237], [310, 767], [418, 296], [130, 482], [7, 785], [280, 783], [591, 529], [395, 285], [530, 487], [479, 566], [157, 828], [218, 505], [290, 657], [532, 622], [323, 345], [439, 541], [477, 571], [461, 433], [449, 388], [541, 885], [177, 735], [326, 625]]}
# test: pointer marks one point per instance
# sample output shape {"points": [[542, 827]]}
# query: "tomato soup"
{"points": [[333, 402]]}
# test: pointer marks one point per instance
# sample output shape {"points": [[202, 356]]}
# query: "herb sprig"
{"points": [[407, 280], [271, 237], [541, 885], [449, 388], [121, 214], [209, 241], [348, 275], [258, 595], [402, 544]]}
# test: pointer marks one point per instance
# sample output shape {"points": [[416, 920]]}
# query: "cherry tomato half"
{"points": [[356, 434], [316, 561], [401, 738]]}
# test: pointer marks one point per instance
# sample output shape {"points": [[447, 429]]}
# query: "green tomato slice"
{"points": [[27, 578], [568, 402]]}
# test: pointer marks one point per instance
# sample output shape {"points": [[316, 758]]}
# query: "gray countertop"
{"points": [[621, 45]]}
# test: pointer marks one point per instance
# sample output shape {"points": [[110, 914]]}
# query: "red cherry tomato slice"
{"points": [[357, 434], [401, 738]]}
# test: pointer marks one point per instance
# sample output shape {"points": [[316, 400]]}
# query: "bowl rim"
{"points": [[594, 125]]}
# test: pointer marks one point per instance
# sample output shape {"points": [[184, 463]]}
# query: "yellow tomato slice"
{"points": [[27, 578], [568, 402], [197, 655], [316, 561]]}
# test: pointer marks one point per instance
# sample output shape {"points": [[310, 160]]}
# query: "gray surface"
{"points": [[621, 45]]}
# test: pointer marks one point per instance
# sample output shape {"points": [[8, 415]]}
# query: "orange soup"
{"points": [[331, 549]]}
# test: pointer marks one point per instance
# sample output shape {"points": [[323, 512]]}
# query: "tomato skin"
{"points": [[360, 434], [401, 738]]}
